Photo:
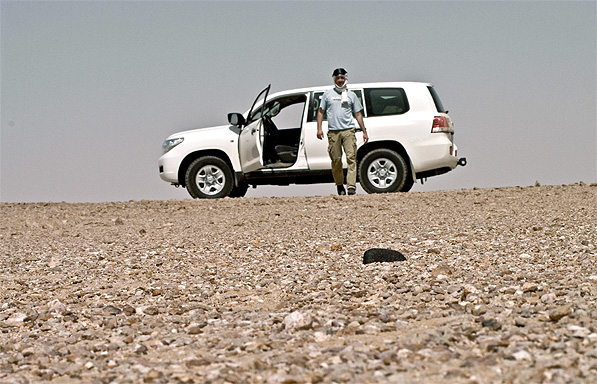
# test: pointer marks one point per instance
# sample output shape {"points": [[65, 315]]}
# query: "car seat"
{"points": [[286, 153]]}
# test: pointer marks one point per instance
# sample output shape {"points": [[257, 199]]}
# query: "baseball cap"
{"points": [[339, 71]]}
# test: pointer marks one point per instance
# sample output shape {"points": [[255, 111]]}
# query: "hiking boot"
{"points": [[341, 190], [352, 191]]}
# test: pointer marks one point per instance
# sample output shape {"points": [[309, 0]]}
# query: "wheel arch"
{"points": [[184, 165], [387, 144]]}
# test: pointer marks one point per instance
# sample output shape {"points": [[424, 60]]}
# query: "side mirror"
{"points": [[236, 119]]}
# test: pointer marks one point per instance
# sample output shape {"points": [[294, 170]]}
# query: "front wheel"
{"points": [[209, 177], [383, 171]]}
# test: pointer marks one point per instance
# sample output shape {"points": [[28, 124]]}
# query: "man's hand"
{"points": [[359, 118], [320, 134]]}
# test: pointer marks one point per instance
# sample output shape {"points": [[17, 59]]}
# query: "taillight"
{"points": [[440, 124]]}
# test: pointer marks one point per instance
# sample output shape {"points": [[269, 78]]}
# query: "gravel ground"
{"points": [[498, 286]]}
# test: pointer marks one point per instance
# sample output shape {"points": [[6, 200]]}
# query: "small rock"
{"points": [[16, 319], [522, 355], [548, 298], [529, 287], [490, 343], [440, 271], [111, 310], [194, 362], [55, 306], [28, 351], [491, 323], [140, 349], [520, 322], [558, 313], [69, 316], [381, 255], [580, 332], [298, 321], [54, 262], [320, 337], [129, 310], [478, 310], [195, 328], [32, 315], [152, 375], [151, 310]]}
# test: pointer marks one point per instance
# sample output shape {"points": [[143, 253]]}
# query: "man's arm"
{"points": [[359, 117], [319, 121]]}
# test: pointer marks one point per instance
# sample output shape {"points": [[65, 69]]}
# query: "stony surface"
{"points": [[499, 286]]}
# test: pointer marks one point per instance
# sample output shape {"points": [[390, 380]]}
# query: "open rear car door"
{"points": [[250, 141]]}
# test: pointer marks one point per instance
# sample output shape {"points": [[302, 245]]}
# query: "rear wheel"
{"points": [[383, 171], [209, 177]]}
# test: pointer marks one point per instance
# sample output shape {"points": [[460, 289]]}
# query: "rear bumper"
{"points": [[437, 152]]}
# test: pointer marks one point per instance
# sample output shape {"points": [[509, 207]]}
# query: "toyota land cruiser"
{"points": [[411, 136]]}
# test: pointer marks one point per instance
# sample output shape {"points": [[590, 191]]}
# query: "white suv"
{"points": [[411, 136]]}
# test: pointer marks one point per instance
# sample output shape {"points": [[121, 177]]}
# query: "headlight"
{"points": [[171, 143]]}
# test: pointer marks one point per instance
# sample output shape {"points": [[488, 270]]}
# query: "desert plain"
{"points": [[499, 285]]}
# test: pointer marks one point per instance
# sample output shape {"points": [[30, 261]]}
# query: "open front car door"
{"points": [[250, 141]]}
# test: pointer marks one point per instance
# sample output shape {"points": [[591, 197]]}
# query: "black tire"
{"points": [[383, 171], [409, 184], [209, 177], [240, 190]]}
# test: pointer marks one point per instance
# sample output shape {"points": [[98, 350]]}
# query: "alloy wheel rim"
{"points": [[210, 180], [382, 173]]}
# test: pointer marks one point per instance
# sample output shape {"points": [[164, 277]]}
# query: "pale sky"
{"points": [[90, 89]]}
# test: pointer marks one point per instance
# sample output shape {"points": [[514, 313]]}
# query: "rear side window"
{"points": [[438, 103], [386, 101]]}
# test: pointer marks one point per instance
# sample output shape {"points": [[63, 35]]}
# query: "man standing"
{"points": [[342, 107]]}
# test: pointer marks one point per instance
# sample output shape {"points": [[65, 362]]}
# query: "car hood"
{"points": [[199, 131]]}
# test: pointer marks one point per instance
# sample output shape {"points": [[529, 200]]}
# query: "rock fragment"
{"points": [[382, 255], [298, 321], [111, 310], [560, 312]]}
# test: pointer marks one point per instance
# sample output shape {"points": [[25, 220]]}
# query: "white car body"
{"points": [[282, 147]]}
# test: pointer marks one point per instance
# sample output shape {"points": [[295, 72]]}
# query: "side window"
{"points": [[286, 112], [386, 101], [317, 101]]}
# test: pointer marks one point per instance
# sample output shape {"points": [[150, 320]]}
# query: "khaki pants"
{"points": [[337, 140]]}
